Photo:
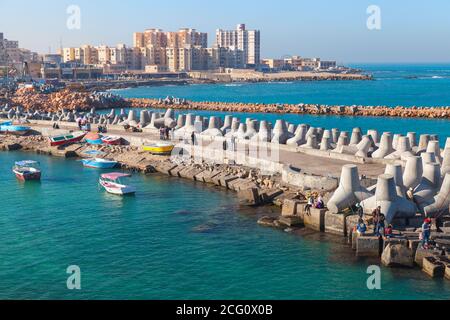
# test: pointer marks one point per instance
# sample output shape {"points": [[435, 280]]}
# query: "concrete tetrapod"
{"points": [[251, 129], [403, 149], [226, 124], [153, 121], [385, 148], [445, 168], [280, 133], [180, 121], [233, 129], [187, 129], [144, 118], [349, 191], [264, 134], [423, 143], [240, 133], [325, 144], [429, 185], [413, 172], [412, 136], [374, 134], [395, 170], [335, 133], [311, 142], [300, 136], [356, 136], [364, 146], [440, 204], [213, 128], [433, 147], [392, 206]]}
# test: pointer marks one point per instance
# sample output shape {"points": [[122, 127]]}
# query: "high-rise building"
{"points": [[248, 41]]}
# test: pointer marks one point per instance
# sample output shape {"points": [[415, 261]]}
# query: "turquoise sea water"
{"points": [[393, 85], [174, 240], [406, 85]]}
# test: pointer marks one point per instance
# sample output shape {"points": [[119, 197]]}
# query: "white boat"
{"points": [[111, 182]]}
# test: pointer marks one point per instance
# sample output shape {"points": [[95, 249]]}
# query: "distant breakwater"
{"points": [[312, 109]]}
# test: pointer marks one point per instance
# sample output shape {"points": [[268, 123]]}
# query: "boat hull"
{"points": [[98, 165], [27, 176], [94, 142], [117, 189], [55, 143], [159, 150], [112, 141]]}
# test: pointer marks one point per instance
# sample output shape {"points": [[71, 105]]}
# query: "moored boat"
{"points": [[10, 128], [111, 182], [66, 138], [159, 148], [113, 141], [99, 163], [93, 138], [27, 170]]}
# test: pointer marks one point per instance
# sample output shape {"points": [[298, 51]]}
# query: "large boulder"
{"points": [[397, 255]]}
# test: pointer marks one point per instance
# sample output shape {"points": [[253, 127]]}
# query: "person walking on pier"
{"points": [[193, 138]]}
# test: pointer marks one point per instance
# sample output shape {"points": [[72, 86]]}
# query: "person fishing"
{"points": [[310, 204], [361, 227]]}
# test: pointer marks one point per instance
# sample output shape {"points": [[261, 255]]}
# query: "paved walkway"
{"points": [[307, 163]]}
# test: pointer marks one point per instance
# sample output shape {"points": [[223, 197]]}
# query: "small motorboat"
{"points": [[93, 138], [27, 170], [112, 141], [159, 148], [111, 182], [10, 128], [99, 163], [66, 138]]}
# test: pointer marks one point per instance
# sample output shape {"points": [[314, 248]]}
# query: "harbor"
{"points": [[281, 165]]}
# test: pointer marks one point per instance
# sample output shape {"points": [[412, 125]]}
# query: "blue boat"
{"points": [[9, 128], [99, 163]]}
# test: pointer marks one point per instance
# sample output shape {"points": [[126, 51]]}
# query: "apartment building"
{"points": [[247, 41]]}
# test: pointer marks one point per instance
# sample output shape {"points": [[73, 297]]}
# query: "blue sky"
{"points": [[412, 31]]}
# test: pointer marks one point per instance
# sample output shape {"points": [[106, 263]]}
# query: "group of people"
{"points": [[165, 132], [378, 221], [83, 123], [381, 230], [314, 203]]}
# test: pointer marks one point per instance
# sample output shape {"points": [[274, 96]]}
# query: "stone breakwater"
{"points": [[31, 100], [313, 109]]}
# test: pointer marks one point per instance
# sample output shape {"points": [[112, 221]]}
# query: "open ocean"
{"points": [[180, 240]]}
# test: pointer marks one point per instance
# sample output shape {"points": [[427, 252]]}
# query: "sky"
{"points": [[411, 30]]}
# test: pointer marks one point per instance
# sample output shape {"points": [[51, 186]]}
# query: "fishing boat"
{"points": [[159, 148], [27, 170], [112, 141], [93, 138], [111, 182], [66, 138], [99, 163], [10, 128]]}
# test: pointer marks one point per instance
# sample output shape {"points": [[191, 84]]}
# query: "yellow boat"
{"points": [[159, 148]]}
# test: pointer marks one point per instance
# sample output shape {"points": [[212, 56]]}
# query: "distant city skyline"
{"points": [[411, 31]]}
